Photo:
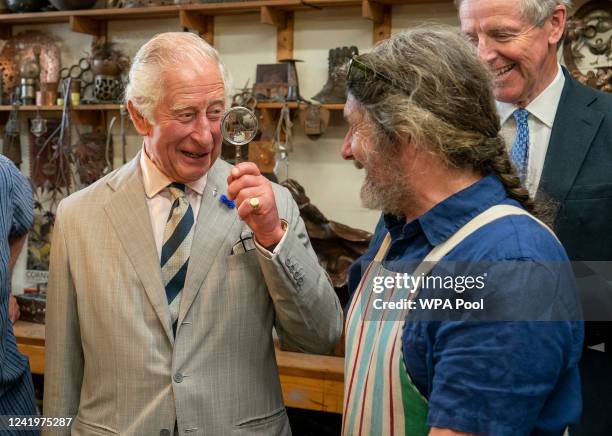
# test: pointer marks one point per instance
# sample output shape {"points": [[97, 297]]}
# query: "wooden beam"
{"points": [[382, 30], [372, 11], [284, 39], [86, 25], [273, 16], [203, 24]]}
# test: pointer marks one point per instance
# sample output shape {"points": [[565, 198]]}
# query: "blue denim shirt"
{"points": [[488, 377]]}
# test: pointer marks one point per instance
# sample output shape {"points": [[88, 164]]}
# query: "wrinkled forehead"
{"points": [[480, 15], [193, 82]]}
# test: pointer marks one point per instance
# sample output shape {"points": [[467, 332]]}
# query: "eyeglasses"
{"points": [[356, 64], [357, 68]]}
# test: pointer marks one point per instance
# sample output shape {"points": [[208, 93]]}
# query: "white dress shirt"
{"points": [[542, 111], [159, 199]]}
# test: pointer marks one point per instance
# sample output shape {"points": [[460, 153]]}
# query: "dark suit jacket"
{"points": [[578, 171], [577, 175]]}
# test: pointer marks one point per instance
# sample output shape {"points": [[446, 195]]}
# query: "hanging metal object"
{"points": [[11, 145], [283, 142], [12, 125], [38, 125]]}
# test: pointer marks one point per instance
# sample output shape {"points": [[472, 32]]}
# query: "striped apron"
{"points": [[379, 396]]}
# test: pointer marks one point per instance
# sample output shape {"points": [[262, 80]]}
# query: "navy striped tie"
{"points": [[178, 235]]}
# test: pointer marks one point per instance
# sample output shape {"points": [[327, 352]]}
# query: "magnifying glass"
{"points": [[239, 127]]}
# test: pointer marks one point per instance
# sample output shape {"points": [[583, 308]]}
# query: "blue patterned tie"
{"points": [[178, 235], [520, 149]]}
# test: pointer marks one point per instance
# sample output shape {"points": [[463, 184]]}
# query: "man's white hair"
{"points": [[535, 11], [170, 51]]}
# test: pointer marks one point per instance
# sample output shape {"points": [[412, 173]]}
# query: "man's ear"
{"points": [[141, 124], [557, 24]]}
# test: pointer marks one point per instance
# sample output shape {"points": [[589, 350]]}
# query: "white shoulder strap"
{"points": [[481, 220]]}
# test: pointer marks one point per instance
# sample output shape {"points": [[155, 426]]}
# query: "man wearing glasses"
{"points": [[559, 136], [422, 122]]}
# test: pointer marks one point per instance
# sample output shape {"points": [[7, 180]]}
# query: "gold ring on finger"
{"points": [[254, 202]]}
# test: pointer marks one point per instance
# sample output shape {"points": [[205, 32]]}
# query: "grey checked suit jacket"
{"points": [[111, 359]]}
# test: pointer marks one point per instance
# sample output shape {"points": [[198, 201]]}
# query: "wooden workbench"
{"points": [[309, 381]]}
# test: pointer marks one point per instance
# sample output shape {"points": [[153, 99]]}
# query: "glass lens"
{"points": [[239, 126]]}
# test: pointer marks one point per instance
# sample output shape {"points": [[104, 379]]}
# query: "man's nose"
{"points": [[486, 49], [202, 131], [346, 151]]}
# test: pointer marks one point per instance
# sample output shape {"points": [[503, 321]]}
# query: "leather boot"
{"points": [[334, 90]]}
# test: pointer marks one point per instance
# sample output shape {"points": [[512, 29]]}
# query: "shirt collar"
{"points": [[444, 219], [543, 107], [155, 181]]}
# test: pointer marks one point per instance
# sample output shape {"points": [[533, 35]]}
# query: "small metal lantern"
{"points": [[107, 88]]}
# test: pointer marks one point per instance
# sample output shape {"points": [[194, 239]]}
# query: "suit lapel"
{"points": [[574, 129], [212, 228], [129, 215]]}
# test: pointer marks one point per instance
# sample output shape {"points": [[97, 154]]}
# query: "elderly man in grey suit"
{"points": [[162, 297]]}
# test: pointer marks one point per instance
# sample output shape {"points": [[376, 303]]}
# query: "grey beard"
{"points": [[385, 193]]}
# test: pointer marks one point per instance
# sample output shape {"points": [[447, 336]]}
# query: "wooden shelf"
{"points": [[173, 11], [82, 107], [295, 105], [199, 17]]}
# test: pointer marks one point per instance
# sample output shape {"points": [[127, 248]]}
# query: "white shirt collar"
{"points": [[543, 107], [155, 181]]}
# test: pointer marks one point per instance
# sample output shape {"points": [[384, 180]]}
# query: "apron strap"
{"points": [[384, 247], [441, 250]]}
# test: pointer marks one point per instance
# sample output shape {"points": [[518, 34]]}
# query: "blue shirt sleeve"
{"points": [[496, 377], [23, 205]]}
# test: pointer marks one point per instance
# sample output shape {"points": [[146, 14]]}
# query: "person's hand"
{"points": [[255, 203], [13, 311]]}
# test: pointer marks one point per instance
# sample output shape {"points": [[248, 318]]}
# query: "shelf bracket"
{"points": [[203, 24], [284, 40], [86, 25], [273, 16], [283, 21], [381, 19], [372, 11]]}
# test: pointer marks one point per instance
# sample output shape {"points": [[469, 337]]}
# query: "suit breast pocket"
{"points": [[244, 282], [275, 423], [590, 192], [243, 262]]}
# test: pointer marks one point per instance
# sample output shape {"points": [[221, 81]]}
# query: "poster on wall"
{"points": [[39, 239]]}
